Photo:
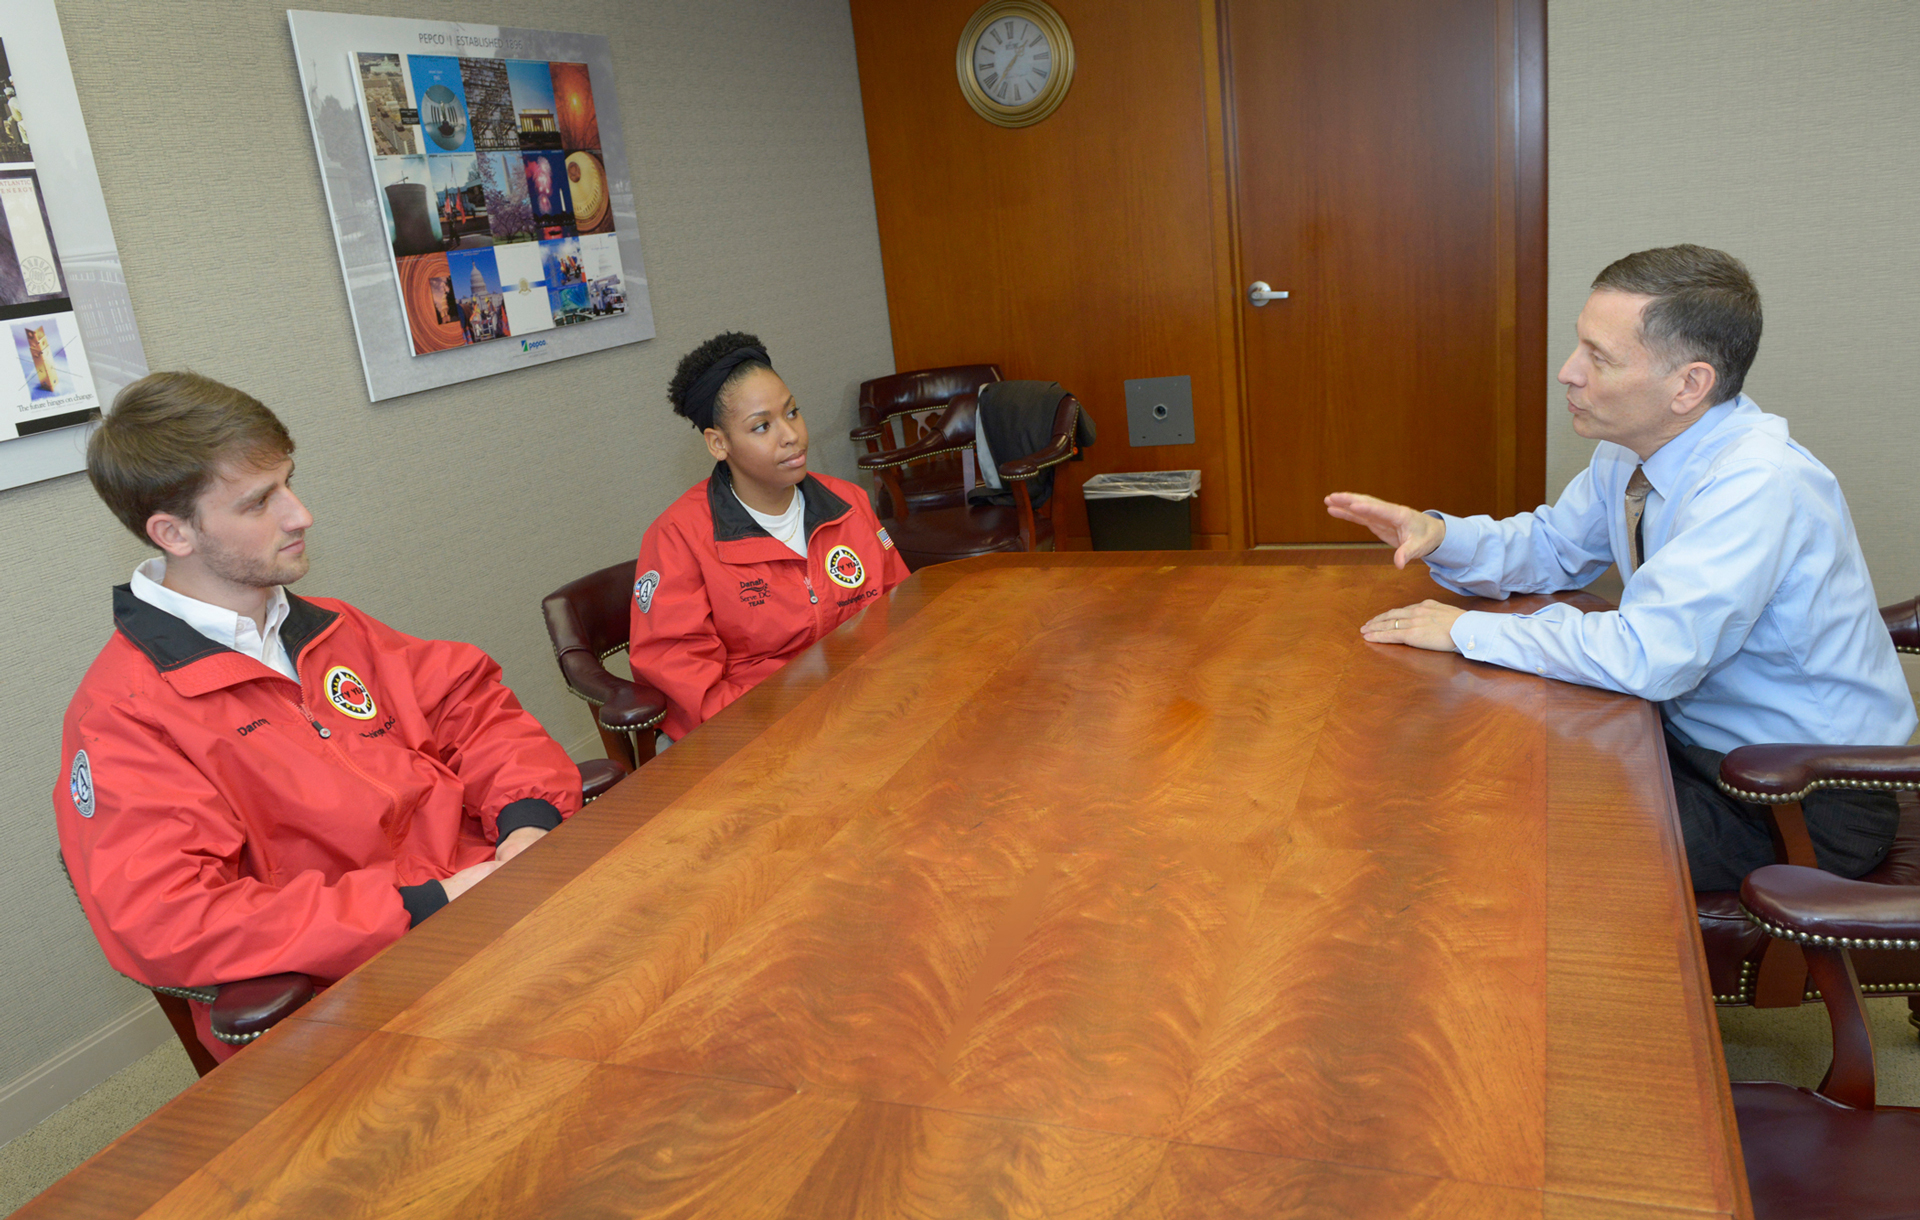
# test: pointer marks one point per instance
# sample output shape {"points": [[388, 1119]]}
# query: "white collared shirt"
{"points": [[222, 626]]}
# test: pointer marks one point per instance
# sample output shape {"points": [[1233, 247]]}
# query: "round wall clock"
{"points": [[1015, 62]]}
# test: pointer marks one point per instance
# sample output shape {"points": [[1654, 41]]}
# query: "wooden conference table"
{"points": [[1109, 885]]}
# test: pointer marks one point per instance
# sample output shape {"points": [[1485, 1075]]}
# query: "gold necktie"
{"points": [[1637, 489]]}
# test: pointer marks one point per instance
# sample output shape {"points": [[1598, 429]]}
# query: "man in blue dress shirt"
{"points": [[1747, 613]]}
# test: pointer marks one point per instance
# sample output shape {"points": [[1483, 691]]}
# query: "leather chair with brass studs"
{"points": [[1745, 965]]}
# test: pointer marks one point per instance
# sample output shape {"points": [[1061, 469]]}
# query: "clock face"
{"points": [[1012, 60]]}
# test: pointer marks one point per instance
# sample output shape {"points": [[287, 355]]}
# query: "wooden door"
{"points": [[1389, 169]]}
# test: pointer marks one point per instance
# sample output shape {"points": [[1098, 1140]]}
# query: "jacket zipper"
{"points": [[808, 577], [326, 735], [319, 728]]}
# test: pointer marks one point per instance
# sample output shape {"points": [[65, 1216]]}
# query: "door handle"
{"points": [[1259, 294]]}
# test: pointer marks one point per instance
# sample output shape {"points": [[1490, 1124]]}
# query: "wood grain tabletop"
{"points": [[1097, 885]]}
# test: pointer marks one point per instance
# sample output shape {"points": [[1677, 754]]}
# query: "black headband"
{"points": [[704, 394]]}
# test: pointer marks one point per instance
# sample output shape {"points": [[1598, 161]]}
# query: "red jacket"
{"points": [[718, 603], [223, 822]]}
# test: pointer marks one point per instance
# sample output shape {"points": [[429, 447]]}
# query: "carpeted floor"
{"points": [[89, 1123], [1790, 1045]]}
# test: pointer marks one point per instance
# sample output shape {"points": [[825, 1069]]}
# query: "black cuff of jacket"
{"points": [[422, 900], [534, 812]]}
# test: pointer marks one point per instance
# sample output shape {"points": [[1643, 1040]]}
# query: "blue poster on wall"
{"points": [[481, 199]]}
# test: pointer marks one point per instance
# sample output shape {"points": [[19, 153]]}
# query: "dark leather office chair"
{"points": [[1831, 1152], [1745, 965], [907, 401], [588, 621], [247, 1008], [941, 535]]}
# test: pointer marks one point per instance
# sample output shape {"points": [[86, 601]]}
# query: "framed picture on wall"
{"points": [[67, 338], [479, 191]]}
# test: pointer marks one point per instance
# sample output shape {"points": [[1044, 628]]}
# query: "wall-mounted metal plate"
{"points": [[1160, 411]]}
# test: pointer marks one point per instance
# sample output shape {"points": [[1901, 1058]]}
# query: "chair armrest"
{"points": [[950, 433], [631, 707], [1903, 623], [1815, 907], [1059, 448], [869, 432], [1777, 775], [599, 774], [624, 705], [250, 1007]]}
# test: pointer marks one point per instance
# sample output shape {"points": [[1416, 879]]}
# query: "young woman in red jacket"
{"points": [[758, 560]]}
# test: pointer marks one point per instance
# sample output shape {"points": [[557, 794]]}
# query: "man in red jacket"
{"points": [[254, 782]]}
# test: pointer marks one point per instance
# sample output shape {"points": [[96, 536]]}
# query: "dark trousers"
{"points": [[1727, 839]]}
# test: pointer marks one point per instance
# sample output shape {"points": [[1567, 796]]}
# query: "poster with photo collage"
{"points": [[46, 384], [479, 192], [493, 189]]}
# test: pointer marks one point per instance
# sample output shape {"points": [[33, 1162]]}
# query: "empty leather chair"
{"points": [[588, 621], [906, 402], [1830, 1152], [958, 532]]}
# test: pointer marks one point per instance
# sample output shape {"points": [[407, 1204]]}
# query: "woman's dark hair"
{"points": [[708, 370]]}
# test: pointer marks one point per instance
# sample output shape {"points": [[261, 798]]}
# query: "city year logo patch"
{"points": [[643, 590], [347, 692], [843, 568], [80, 784]]}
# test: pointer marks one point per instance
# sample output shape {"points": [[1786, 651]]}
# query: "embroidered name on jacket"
{"points": [[755, 592]]}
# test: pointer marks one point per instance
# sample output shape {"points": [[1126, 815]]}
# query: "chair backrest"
{"points": [[591, 613], [1903, 621], [920, 389]]}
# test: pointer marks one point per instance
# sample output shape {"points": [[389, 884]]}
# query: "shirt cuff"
{"points": [[422, 900], [1456, 549], [1489, 638], [532, 811]]}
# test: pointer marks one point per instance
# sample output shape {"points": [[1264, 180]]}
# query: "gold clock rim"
{"points": [[1049, 98]]}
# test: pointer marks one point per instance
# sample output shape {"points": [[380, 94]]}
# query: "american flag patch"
{"points": [[886, 543]]}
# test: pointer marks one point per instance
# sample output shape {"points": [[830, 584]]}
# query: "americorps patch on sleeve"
{"points": [[80, 784], [643, 590]]}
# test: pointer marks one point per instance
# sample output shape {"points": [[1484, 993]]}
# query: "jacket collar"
{"points": [[732, 522], [195, 664]]}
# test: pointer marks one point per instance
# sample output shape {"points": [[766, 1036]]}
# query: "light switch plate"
{"points": [[1160, 411]]}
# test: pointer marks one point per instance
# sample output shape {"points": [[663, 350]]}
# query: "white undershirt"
{"points": [[217, 623], [789, 527]]}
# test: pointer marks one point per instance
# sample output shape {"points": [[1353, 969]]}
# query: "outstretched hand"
{"points": [[1427, 625], [1413, 534]]}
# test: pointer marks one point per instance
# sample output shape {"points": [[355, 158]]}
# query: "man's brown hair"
{"points": [[1704, 307], [166, 437]]}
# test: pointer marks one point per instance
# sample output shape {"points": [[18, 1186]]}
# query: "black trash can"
{"points": [[1145, 511]]}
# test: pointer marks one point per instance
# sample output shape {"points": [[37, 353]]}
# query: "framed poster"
{"points": [[479, 191], [67, 338]]}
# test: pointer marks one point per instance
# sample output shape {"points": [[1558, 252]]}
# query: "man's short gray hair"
{"points": [[1704, 307]]}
